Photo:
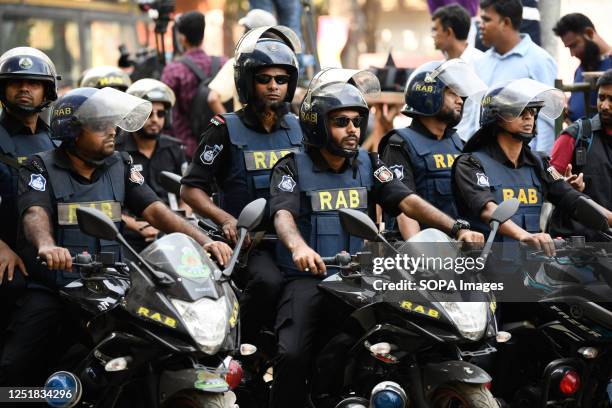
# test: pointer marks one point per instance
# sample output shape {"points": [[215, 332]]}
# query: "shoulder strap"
{"points": [[189, 63], [9, 161]]}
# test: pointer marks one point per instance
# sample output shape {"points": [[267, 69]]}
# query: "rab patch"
{"points": [[398, 171], [554, 173], [136, 177], [210, 153], [482, 180], [217, 120], [287, 184], [383, 174], [37, 182]]}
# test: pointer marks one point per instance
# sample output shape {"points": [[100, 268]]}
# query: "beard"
{"points": [[591, 58], [449, 116], [148, 135]]}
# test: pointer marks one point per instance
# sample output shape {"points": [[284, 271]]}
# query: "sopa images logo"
{"points": [[63, 390]]}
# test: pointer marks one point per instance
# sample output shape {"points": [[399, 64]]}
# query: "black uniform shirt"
{"points": [[388, 194], [393, 155], [138, 196], [15, 127], [167, 156], [205, 176], [473, 196]]}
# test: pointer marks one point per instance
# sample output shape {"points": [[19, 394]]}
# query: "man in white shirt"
{"points": [[450, 28]]}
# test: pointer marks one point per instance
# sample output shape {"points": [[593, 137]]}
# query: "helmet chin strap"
{"points": [[523, 137], [339, 151], [25, 110]]}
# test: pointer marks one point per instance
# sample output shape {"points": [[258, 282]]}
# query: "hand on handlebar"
{"points": [[56, 257], [220, 250], [540, 241], [308, 260], [230, 231]]}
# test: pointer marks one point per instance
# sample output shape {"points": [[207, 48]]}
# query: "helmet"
{"points": [[507, 101], [95, 109], [28, 63], [153, 90], [333, 89], [264, 47], [99, 77], [424, 93]]}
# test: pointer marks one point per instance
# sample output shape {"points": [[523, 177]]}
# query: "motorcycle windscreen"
{"points": [[183, 258]]}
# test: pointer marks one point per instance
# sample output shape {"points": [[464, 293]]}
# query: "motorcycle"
{"points": [[565, 358], [163, 331], [408, 352]]}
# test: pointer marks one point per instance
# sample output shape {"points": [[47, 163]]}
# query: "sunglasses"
{"points": [[265, 79], [159, 113], [343, 121]]}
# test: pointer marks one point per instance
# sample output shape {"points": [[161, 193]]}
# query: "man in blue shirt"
{"points": [[578, 34], [514, 56]]}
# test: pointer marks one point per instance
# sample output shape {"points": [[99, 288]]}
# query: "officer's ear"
{"points": [[589, 32]]}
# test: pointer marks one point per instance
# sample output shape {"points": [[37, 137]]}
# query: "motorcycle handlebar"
{"points": [[339, 259]]}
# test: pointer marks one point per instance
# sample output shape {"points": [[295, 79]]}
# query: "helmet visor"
{"points": [[112, 108], [365, 81], [247, 43], [513, 97], [459, 76]]}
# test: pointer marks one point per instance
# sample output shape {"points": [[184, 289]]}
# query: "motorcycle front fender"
{"points": [[436, 374], [171, 382]]}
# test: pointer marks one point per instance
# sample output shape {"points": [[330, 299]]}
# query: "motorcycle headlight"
{"points": [[469, 317], [207, 321]]}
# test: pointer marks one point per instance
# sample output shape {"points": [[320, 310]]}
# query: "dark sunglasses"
{"points": [[343, 121], [159, 113], [265, 78]]}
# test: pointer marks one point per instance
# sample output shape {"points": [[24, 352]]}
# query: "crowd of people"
{"points": [[481, 131]]}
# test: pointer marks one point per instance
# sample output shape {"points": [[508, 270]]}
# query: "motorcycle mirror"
{"points": [[358, 224], [252, 214], [589, 214], [95, 223], [249, 218], [505, 211], [170, 182]]}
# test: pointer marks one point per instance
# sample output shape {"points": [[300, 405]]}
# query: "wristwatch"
{"points": [[459, 225]]}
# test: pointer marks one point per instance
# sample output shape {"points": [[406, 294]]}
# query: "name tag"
{"points": [[332, 200], [66, 212], [264, 159], [443, 160], [524, 195]]}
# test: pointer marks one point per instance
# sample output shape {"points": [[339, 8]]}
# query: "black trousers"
{"points": [[264, 282], [30, 343], [298, 321]]}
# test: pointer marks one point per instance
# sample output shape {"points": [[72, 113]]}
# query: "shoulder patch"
{"points": [[287, 184], [398, 171], [210, 153], [37, 182], [383, 174], [482, 180], [217, 120], [136, 177], [554, 173]]}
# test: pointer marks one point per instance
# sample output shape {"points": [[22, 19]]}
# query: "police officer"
{"points": [[498, 164], [583, 152], [152, 152], [238, 151], [307, 188], [422, 154], [105, 75], [27, 86], [84, 170]]}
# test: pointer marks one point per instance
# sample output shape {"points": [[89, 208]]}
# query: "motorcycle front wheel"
{"points": [[196, 399], [463, 396]]}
